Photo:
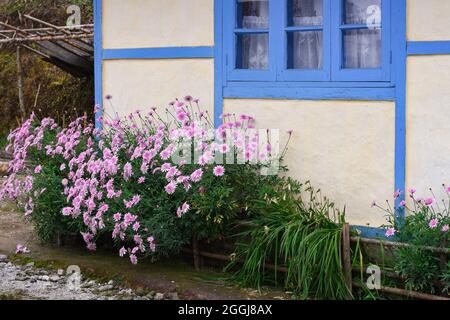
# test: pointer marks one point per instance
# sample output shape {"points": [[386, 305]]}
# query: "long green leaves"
{"points": [[302, 236]]}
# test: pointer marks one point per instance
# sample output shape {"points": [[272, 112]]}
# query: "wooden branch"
{"points": [[395, 291], [47, 38], [46, 24], [87, 28], [399, 245], [36, 98], [346, 256], [35, 51], [14, 28], [407, 293], [222, 257], [376, 242]]}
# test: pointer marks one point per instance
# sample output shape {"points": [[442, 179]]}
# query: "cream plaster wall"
{"points": [[428, 124], [346, 148], [428, 20], [157, 23], [141, 84]]}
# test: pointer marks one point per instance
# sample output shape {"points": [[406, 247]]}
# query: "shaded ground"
{"points": [[170, 276]]}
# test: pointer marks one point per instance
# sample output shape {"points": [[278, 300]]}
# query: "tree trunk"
{"points": [[20, 84]]}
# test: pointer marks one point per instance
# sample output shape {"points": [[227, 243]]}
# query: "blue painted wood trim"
{"points": [[370, 232], [428, 47], [265, 92], [399, 40], [218, 58], [159, 53], [311, 84], [98, 70]]}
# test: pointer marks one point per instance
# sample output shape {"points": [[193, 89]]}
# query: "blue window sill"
{"points": [[311, 91]]}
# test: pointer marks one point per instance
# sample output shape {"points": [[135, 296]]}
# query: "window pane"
{"points": [[362, 49], [305, 12], [252, 51], [305, 50], [253, 14], [362, 11]]}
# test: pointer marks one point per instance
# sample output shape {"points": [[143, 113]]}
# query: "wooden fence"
{"points": [[347, 240]]}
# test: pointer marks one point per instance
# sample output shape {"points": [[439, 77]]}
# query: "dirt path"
{"points": [[165, 277]]}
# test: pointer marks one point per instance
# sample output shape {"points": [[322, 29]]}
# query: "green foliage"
{"points": [[47, 218], [223, 200], [294, 226], [421, 267], [49, 223], [445, 278], [425, 224], [61, 96], [50, 10], [3, 141]]}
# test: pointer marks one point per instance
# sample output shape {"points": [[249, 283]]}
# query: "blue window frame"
{"points": [[343, 36]]}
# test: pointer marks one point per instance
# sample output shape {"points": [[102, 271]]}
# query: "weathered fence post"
{"points": [[443, 259], [20, 83], [196, 253], [346, 256], [442, 256]]}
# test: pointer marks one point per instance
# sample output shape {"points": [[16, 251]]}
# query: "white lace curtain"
{"points": [[307, 46], [362, 48], [255, 47]]}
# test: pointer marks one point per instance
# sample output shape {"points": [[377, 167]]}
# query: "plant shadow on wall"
{"points": [[154, 181], [425, 225]]}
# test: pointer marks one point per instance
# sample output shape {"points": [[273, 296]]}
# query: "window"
{"points": [[307, 40]]}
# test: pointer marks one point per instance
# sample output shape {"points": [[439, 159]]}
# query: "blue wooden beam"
{"points": [[218, 58], [159, 53], [305, 93], [399, 40], [98, 70], [428, 47]]}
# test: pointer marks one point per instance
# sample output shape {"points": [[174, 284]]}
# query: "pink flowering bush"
{"points": [[150, 182], [38, 189], [426, 223]]}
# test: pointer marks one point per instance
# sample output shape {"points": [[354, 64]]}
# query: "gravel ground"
{"points": [[30, 283]]}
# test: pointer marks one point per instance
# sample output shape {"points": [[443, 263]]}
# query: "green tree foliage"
{"points": [[61, 96]]}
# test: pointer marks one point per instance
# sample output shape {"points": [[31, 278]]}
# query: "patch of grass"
{"points": [[18, 294], [3, 141], [53, 265], [50, 265]]}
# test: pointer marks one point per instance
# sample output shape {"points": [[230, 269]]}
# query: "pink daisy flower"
{"points": [[170, 188], [429, 202], [390, 232], [219, 171], [133, 259], [433, 224]]}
